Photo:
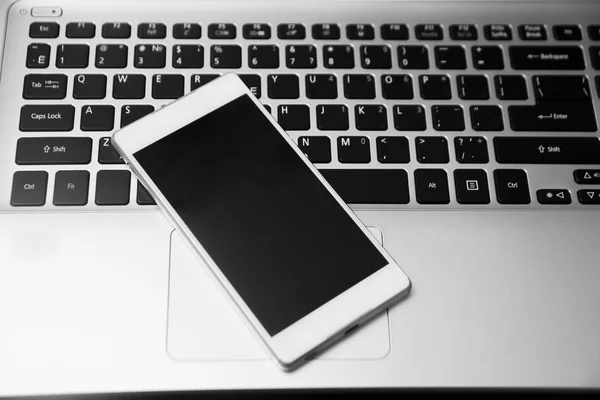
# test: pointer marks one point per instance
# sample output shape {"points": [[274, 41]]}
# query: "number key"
{"points": [[226, 56], [413, 57], [338, 56], [263, 56], [72, 56], [301, 56], [188, 56], [376, 57], [149, 56], [111, 56]]}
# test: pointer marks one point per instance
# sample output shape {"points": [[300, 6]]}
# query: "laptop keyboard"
{"points": [[393, 114]]}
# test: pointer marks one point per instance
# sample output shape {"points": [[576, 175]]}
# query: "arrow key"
{"points": [[589, 196], [587, 176], [553, 196]]}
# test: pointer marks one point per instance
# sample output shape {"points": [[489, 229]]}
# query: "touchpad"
{"points": [[203, 325]]}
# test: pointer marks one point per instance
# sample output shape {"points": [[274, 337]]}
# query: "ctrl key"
{"points": [[29, 188]]}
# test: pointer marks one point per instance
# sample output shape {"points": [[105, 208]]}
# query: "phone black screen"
{"points": [[276, 233]]}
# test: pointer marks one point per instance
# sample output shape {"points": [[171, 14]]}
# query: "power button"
{"points": [[46, 12]]}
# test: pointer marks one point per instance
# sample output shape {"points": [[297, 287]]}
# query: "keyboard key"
{"points": [[587, 176], [567, 32], [598, 85], [589, 196], [80, 30], [369, 186], [471, 150], [360, 32], [167, 86], [187, 31], [321, 86], [46, 117], [97, 118], [54, 150], [252, 81], [393, 149], [594, 32], [188, 56], [450, 57], [409, 118], [413, 57], [448, 118], [107, 153], [291, 31], [435, 87], [222, 31], [497, 32], [38, 55], [131, 113], [471, 186], [201, 80], [376, 57], [316, 148], [595, 56], [89, 86], [511, 87], [71, 188], [354, 149], [46, 86], [533, 32], [29, 188], [473, 87], [332, 117], [112, 187], [226, 56], [561, 87], [553, 196], [546, 57], [463, 32], [554, 116], [143, 197], [111, 56], [326, 31], [487, 57], [129, 86], [301, 56], [432, 150], [263, 56], [116, 30], [429, 32], [547, 150], [72, 56], [44, 30], [256, 31], [372, 117], [431, 186], [359, 86], [149, 56], [397, 87], [512, 186], [151, 30], [394, 32], [293, 117], [487, 118], [338, 56], [282, 86]]}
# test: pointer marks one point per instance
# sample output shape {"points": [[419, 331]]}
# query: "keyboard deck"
{"points": [[476, 106]]}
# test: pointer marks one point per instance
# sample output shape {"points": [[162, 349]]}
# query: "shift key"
{"points": [[554, 116], [54, 150], [46, 117]]}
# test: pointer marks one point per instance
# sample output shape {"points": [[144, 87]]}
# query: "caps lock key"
{"points": [[46, 117]]}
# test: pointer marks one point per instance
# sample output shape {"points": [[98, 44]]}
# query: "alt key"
{"points": [[553, 196]]}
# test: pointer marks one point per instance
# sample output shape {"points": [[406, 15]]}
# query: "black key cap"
{"points": [[561, 87], [44, 30], [129, 86], [567, 32], [222, 31], [301, 56], [376, 57], [554, 116], [71, 188], [394, 32], [360, 32], [167, 86], [46, 86], [432, 150], [598, 85], [46, 117], [435, 87], [89, 86], [267, 107], [487, 118], [547, 150], [293, 117], [533, 32], [107, 153], [201, 80], [450, 57], [553, 196], [97, 118], [359, 86], [326, 31], [150, 56], [253, 83], [413, 57], [471, 150], [511, 87], [369, 186], [263, 56], [81, 30], [546, 57], [283, 86], [512, 186], [393, 149], [463, 32], [54, 150], [112, 187], [338, 56], [151, 30], [256, 31], [397, 87], [354, 149], [448, 118], [38, 55], [187, 31], [595, 56], [429, 32], [316, 148], [332, 117], [594, 32], [321, 86], [589, 196], [143, 197], [188, 56], [111, 56], [409, 118], [473, 87], [497, 32], [587, 176], [487, 57], [116, 30], [431, 186], [29, 188], [471, 186], [291, 31], [372, 117], [72, 56], [131, 113], [226, 56]]}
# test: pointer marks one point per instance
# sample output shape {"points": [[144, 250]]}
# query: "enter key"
{"points": [[554, 116]]}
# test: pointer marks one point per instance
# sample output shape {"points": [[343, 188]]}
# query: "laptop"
{"points": [[464, 134]]}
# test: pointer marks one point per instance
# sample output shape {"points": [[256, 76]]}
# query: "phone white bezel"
{"points": [[320, 327]]}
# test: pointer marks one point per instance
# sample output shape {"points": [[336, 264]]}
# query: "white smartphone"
{"points": [[292, 256]]}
